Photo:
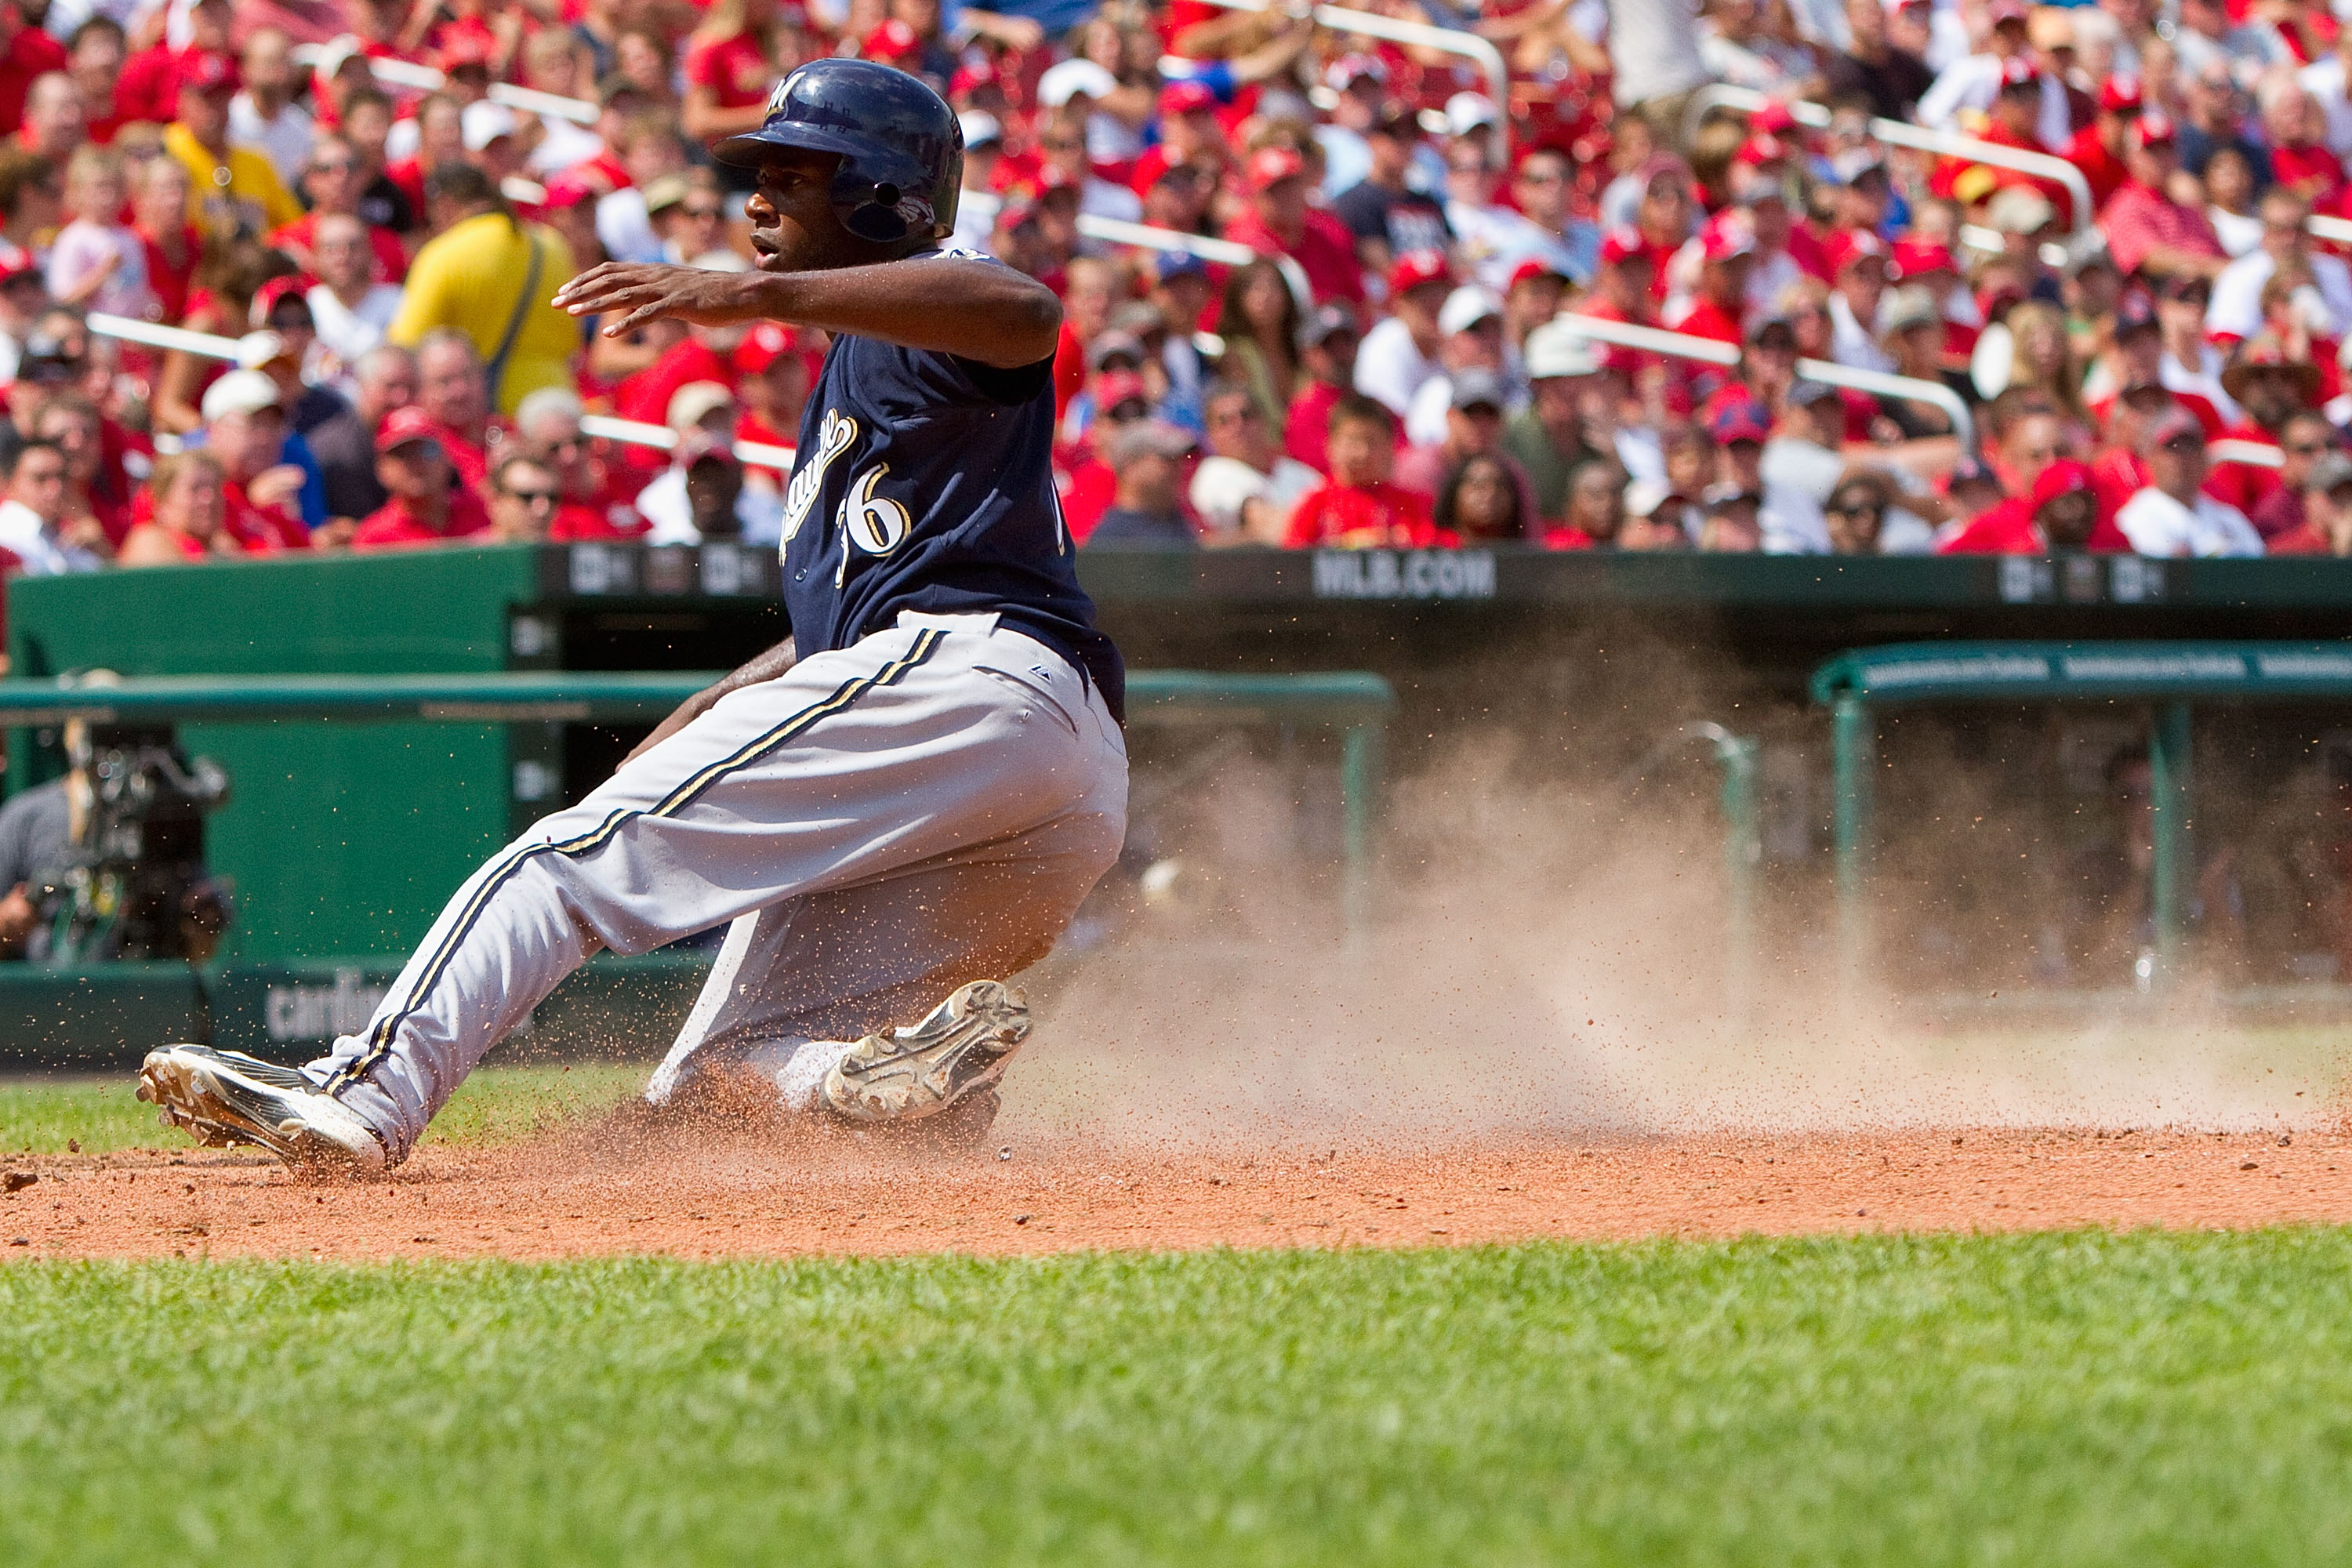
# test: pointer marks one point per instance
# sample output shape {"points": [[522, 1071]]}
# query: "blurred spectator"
{"points": [[2285, 251], [2327, 526], [524, 500], [1328, 346], [453, 391], [773, 372], [1280, 221], [429, 505], [171, 247], [978, 202], [1357, 508], [57, 121], [702, 414], [237, 192], [1472, 428], [2304, 441], [2173, 516], [263, 115], [95, 516], [1855, 513], [2147, 230], [2061, 513], [189, 520], [592, 506], [1260, 323], [246, 428], [1596, 509], [1547, 440], [1243, 492], [32, 518], [1481, 502], [98, 262], [491, 278], [333, 179], [32, 201], [1399, 354], [1146, 456], [95, 53], [26, 54], [1800, 467], [382, 379], [1470, 328], [2269, 388], [349, 312], [1387, 217]]}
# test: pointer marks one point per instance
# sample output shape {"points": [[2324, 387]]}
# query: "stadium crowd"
{"points": [[1383, 350]]}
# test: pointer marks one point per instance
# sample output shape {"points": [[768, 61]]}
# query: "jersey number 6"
{"points": [[877, 524]]}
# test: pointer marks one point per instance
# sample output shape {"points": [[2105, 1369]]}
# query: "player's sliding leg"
{"points": [[907, 748], [803, 999]]}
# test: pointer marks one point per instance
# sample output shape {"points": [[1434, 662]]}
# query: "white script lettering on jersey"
{"points": [[834, 438]]}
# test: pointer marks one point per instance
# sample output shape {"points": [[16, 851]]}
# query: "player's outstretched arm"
{"points": [[974, 309]]}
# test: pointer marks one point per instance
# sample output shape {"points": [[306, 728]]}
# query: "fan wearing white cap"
{"points": [[1549, 440], [1470, 328], [976, 209], [245, 427], [702, 415]]}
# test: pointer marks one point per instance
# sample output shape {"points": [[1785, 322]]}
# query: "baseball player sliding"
{"points": [[894, 808]]}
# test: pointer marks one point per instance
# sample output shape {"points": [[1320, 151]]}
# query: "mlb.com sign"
{"points": [[1405, 575]]}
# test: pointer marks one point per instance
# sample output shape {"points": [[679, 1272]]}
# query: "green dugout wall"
{"points": [[344, 839]]}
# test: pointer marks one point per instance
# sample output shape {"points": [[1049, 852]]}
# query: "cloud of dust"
{"points": [[1550, 963]]}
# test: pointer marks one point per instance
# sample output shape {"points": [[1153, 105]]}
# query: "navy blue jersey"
{"points": [[925, 482]]}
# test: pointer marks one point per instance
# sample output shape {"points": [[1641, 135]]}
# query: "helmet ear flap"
{"points": [[868, 209]]}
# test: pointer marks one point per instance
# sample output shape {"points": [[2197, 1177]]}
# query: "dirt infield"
{"points": [[580, 1197]]}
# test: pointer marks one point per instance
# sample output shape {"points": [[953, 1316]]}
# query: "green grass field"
{"points": [[2052, 1399]]}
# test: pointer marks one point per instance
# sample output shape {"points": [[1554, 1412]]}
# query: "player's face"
{"points": [[793, 225]]}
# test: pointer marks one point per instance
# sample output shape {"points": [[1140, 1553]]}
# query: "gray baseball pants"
{"points": [[881, 824]]}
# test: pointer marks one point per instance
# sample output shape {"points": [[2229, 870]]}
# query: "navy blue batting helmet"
{"points": [[901, 149]]}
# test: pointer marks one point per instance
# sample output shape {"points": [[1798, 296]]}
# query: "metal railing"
{"points": [[1452, 41], [1683, 345], [1901, 134], [1225, 252], [255, 349], [410, 73]]}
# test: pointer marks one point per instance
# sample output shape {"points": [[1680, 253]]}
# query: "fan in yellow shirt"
{"points": [[235, 191], [491, 277]]}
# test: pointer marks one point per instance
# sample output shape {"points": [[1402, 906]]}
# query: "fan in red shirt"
{"points": [[1622, 291], [772, 378], [334, 182], [245, 426], [589, 504], [1357, 508], [2326, 527], [1280, 222], [149, 87], [2060, 513], [28, 53], [2097, 148], [1727, 253], [428, 506], [1327, 352]]}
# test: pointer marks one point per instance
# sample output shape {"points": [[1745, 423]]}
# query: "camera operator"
{"points": [[108, 861]]}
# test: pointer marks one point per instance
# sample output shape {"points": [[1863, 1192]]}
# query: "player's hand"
{"points": [[640, 292]]}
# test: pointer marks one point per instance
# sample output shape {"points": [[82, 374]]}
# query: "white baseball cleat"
{"points": [[960, 1051], [227, 1097]]}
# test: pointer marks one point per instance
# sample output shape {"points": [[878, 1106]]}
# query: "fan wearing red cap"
{"points": [[2061, 513], [1281, 220], [773, 376], [428, 505], [1190, 136], [237, 192], [1399, 353], [1971, 86], [2098, 148], [2146, 230], [1727, 253], [2173, 515]]}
